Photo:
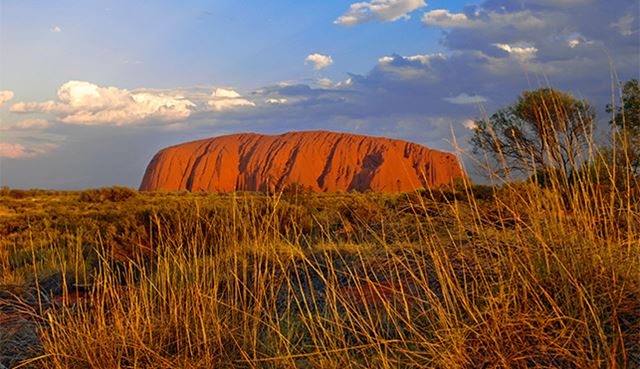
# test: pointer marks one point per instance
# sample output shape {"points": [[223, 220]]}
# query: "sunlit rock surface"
{"points": [[319, 161]]}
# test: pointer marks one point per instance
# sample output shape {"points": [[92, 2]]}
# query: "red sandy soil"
{"points": [[319, 161]]}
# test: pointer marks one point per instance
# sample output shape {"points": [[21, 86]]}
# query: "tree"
{"points": [[627, 115], [626, 118], [544, 130]]}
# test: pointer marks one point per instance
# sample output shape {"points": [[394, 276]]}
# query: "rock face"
{"points": [[316, 160]]}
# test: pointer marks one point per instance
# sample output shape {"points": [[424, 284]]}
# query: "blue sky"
{"points": [[164, 44], [91, 89]]}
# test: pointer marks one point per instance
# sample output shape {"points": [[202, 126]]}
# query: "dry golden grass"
{"points": [[525, 279], [516, 276]]}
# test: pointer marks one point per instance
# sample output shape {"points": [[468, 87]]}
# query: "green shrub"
{"points": [[111, 194]]}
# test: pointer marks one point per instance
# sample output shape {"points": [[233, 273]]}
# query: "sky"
{"points": [[91, 90]]}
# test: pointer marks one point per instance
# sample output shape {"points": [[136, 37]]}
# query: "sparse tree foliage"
{"points": [[544, 130], [626, 117]]}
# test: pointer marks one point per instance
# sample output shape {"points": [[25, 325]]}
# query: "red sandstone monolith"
{"points": [[314, 160]]}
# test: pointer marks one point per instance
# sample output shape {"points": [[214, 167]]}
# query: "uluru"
{"points": [[319, 161]]}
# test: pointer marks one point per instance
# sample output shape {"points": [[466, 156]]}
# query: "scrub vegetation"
{"points": [[542, 272]]}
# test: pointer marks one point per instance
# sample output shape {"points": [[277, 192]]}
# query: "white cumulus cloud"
{"points": [[521, 52], [409, 67], [281, 100], [624, 25], [386, 59], [5, 95], [576, 40], [18, 151], [425, 59], [324, 82], [378, 10], [34, 123], [56, 29], [445, 19], [225, 99], [421, 59], [347, 82], [85, 103], [464, 98], [225, 93], [319, 61]]}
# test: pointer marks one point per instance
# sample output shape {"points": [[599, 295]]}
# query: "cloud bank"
{"points": [[85, 103]]}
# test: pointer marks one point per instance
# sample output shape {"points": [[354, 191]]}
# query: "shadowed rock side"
{"points": [[318, 160]]}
